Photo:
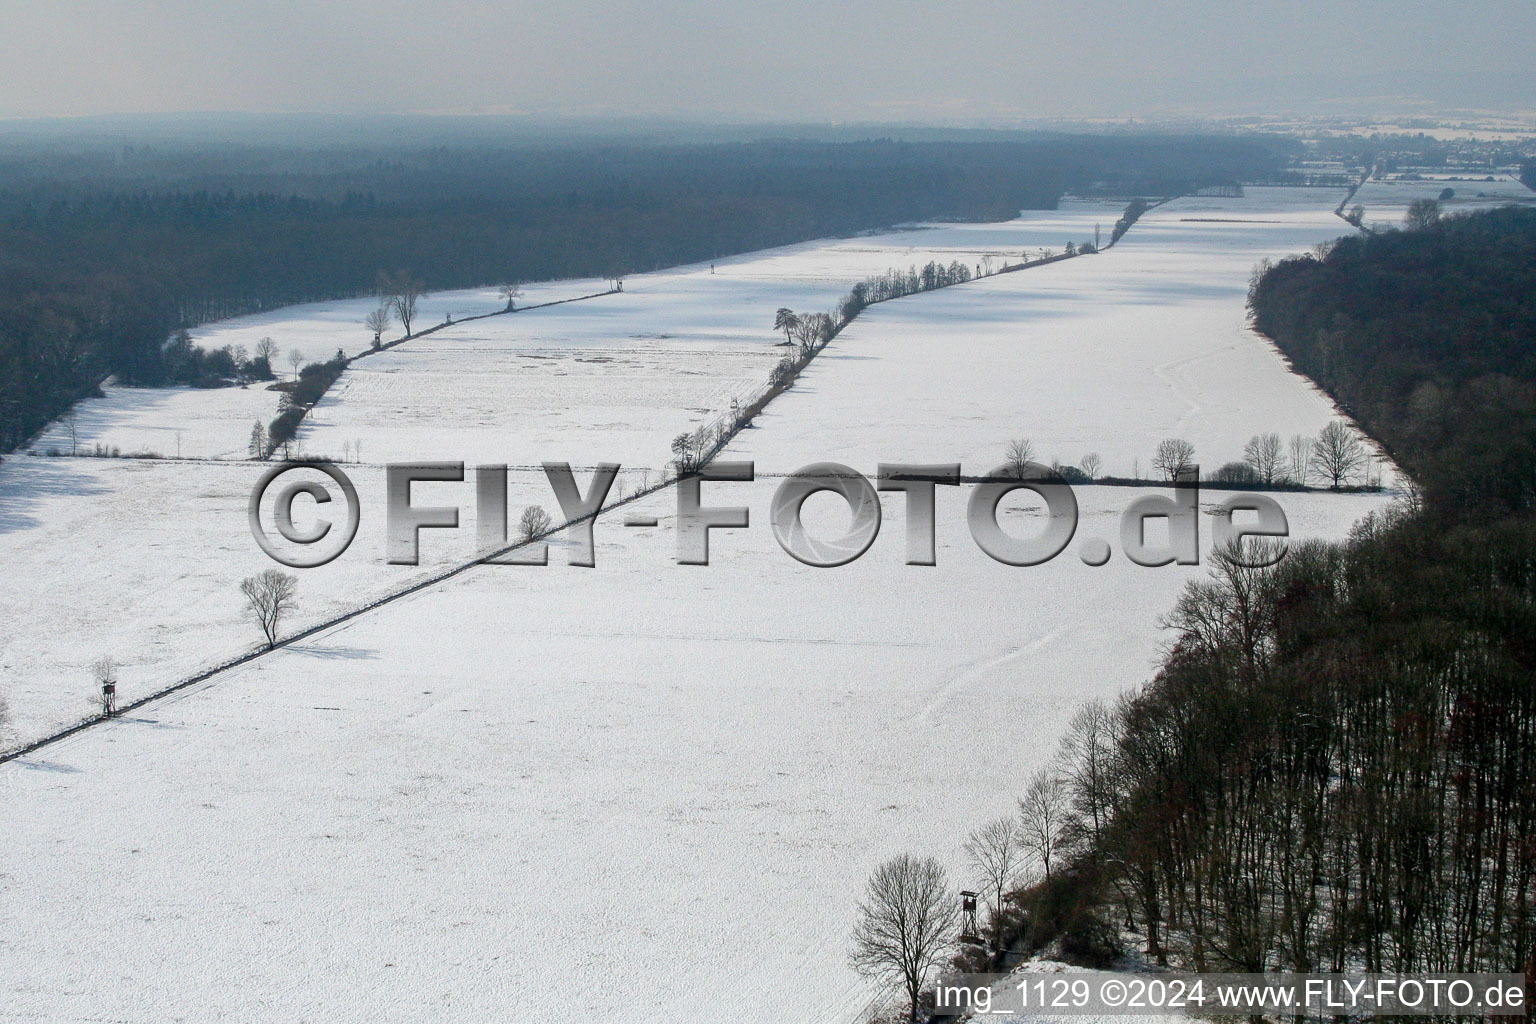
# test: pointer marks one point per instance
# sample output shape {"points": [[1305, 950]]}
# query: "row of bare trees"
{"points": [[1336, 455]]}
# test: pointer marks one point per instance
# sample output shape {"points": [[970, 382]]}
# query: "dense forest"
{"points": [[1335, 766], [104, 252], [1427, 338]]}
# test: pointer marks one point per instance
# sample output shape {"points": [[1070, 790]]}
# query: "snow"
{"points": [[637, 790], [1108, 354], [211, 423], [142, 560], [562, 794], [1386, 200], [319, 329], [613, 378], [617, 377]]}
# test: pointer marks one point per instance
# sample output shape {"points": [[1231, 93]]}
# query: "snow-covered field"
{"points": [[643, 789], [319, 329], [192, 423], [1386, 200], [616, 378], [1107, 354], [613, 378], [142, 560], [562, 794]]}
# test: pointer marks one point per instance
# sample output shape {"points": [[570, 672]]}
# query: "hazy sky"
{"points": [[983, 61]]}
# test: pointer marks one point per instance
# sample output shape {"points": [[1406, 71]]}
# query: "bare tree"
{"points": [[1174, 456], [400, 292], [1300, 458], [1092, 465], [72, 427], [271, 597], [1042, 816], [266, 349], [1018, 455], [1338, 453], [511, 291], [805, 334], [533, 522], [1422, 214], [1262, 452], [904, 926], [295, 360], [995, 852], [682, 447], [378, 323], [1088, 754]]}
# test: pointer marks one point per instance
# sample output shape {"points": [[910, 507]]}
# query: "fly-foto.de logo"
{"points": [[1177, 504]]}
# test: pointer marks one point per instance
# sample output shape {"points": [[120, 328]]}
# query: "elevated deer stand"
{"points": [[970, 931]]}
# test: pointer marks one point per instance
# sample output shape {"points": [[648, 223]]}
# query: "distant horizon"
{"points": [[417, 127]]}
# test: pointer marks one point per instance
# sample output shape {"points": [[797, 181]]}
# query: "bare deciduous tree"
{"points": [[511, 291], [1262, 452], [1092, 465], [266, 349], [378, 323], [295, 360], [905, 923], [400, 293], [1174, 456], [534, 521], [270, 596], [1018, 455], [1088, 755], [682, 447], [1300, 449], [995, 851], [72, 427], [1338, 453], [1042, 815]]}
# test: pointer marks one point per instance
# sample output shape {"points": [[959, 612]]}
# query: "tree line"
{"points": [[1336, 763], [105, 257]]}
